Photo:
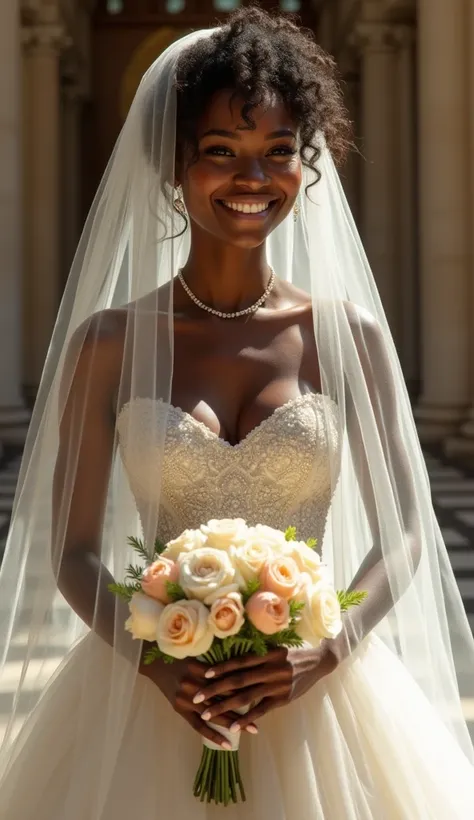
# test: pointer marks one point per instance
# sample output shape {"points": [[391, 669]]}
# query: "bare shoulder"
{"points": [[360, 319], [95, 353]]}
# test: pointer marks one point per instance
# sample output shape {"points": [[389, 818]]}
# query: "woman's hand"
{"points": [[180, 682], [266, 682]]}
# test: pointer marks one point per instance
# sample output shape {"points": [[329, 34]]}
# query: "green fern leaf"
{"points": [[159, 547], [134, 573], [175, 591], [251, 588], [124, 591], [155, 654], [349, 599], [296, 608]]}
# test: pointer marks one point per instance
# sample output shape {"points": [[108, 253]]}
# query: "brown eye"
{"points": [[282, 151], [219, 151]]}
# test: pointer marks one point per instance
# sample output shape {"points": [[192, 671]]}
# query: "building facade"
{"points": [[68, 72]]}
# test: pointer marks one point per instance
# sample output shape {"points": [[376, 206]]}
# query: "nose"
{"points": [[251, 174]]}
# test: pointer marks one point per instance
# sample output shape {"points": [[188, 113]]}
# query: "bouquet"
{"points": [[226, 590]]}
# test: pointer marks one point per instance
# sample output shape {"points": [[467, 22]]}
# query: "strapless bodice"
{"points": [[281, 474]]}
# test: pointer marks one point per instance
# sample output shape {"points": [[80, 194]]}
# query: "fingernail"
{"points": [[226, 745], [199, 698], [252, 729], [210, 673], [235, 727], [206, 715]]}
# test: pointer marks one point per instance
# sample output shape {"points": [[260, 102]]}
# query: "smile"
{"points": [[254, 209]]}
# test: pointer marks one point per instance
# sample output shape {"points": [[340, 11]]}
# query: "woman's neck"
{"points": [[226, 277]]}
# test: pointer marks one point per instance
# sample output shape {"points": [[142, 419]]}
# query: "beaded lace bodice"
{"points": [[282, 473]]}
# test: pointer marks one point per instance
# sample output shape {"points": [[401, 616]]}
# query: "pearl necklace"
{"points": [[219, 313]]}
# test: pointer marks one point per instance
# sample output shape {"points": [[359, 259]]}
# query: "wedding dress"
{"points": [[363, 744]]}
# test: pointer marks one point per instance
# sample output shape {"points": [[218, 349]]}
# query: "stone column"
{"points": [[43, 48], [12, 411], [70, 179], [380, 171], [443, 210], [408, 215], [462, 445]]}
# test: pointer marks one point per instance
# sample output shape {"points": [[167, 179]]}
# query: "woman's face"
{"points": [[244, 182]]}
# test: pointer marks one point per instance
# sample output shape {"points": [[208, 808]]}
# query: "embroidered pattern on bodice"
{"points": [[282, 473]]}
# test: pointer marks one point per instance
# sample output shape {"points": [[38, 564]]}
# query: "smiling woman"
{"points": [[215, 359], [245, 178]]}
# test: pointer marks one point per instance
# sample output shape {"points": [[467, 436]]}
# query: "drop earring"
{"points": [[179, 201], [296, 211]]}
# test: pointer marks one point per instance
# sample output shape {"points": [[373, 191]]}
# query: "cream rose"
{"points": [[183, 630], [188, 540], [262, 534], [156, 577], [205, 571], [281, 575], [249, 559], [144, 617], [321, 615], [224, 533], [307, 560], [227, 614], [268, 612]]}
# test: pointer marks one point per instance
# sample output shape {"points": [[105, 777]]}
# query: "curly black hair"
{"points": [[256, 52]]}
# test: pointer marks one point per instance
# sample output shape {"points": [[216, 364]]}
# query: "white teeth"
{"points": [[256, 208]]}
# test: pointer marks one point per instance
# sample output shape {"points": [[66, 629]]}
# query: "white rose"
{"points": [[307, 560], [227, 614], [183, 630], [144, 618], [321, 615], [188, 540], [225, 532], [205, 571], [250, 558], [268, 535]]}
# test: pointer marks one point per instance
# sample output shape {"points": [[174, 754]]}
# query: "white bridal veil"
{"points": [[132, 246]]}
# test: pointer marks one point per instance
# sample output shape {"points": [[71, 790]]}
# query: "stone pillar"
{"points": [[443, 210], [70, 179], [43, 48], [462, 445], [408, 213], [380, 170], [12, 411]]}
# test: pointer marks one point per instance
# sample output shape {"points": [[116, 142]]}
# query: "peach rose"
{"points": [[281, 575], [183, 630], [156, 576], [268, 612], [227, 614]]}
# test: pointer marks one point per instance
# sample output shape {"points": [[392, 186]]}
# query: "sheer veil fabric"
{"points": [[132, 246]]}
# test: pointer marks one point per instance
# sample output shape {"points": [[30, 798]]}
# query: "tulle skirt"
{"points": [[363, 744]]}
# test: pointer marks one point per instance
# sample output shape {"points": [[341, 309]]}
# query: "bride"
{"points": [[221, 352]]}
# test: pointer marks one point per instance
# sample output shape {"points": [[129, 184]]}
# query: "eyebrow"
{"points": [[221, 132]]}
